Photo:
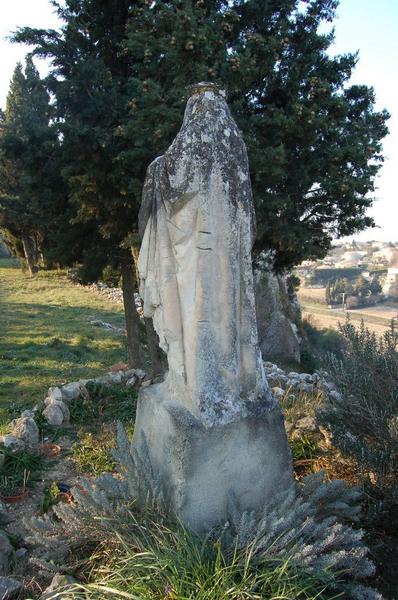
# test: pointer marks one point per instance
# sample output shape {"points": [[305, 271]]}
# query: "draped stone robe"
{"points": [[197, 221]]}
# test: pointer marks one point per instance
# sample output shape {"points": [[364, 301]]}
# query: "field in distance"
{"points": [[377, 318]]}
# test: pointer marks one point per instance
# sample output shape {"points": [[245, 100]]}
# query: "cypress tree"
{"points": [[28, 145], [119, 76]]}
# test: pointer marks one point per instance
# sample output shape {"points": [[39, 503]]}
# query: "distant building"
{"points": [[388, 254], [350, 259], [390, 287]]}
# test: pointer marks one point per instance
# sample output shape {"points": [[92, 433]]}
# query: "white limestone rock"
{"points": [[277, 332], [278, 392], [132, 382], [27, 430], [72, 391], [53, 415], [58, 587], [336, 396], [56, 412], [306, 424], [55, 393], [13, 443], [199, 467]]}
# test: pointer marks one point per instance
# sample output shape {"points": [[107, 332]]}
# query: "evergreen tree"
{"points": [[119, 76], [313, 140], [328, 294], [362, 287], [375, 287], [28, 146]]}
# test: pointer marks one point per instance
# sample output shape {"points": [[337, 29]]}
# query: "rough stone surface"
{"points": [[132, 381], [306, 424], [13, 443], [6, 553], [61, 405], [278, 392], [201, 466], [59, 583], [4, 515], [197, 220], [72, 391], [9, 588], [27, 430], [55, 393], [277, 331], [56, 412], [213, 428]]}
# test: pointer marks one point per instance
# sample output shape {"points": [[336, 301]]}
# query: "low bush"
{"points": [[104, 403], [364, 423], [301, 545], [323, 341], [92, 453], [19, 469], [304, 448], [153, 560]]}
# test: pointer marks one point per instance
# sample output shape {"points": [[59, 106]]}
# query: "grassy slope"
{"points": [[44, 337]]}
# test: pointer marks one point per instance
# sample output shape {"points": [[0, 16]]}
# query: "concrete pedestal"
{"points": [[200, 466]]}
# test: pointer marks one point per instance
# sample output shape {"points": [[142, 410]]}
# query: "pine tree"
{"points": [[28, 145]]}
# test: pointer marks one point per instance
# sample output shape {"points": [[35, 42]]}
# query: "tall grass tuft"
{"points": [[152, 560]]}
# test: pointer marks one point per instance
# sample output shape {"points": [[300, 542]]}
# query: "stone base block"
{"points": [[199, 467]]}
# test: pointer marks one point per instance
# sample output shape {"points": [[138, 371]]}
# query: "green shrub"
{"points": [[104, 403], [19, 469], [92, 453], [323, 341], [151, 560], [111, 276], [308, 361], [51, 496], [303, 448], [364, 423], [300, 545]]}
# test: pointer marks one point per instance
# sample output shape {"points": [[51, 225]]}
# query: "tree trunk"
{"points": [[155, 354], [130, 313], [30, 254]]}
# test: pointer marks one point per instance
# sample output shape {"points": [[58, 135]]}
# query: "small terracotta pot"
{"points": [[65, 497], [49, 450], [14, 498]]}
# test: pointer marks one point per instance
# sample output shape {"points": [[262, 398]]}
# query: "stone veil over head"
{"points": [[197, 223]]}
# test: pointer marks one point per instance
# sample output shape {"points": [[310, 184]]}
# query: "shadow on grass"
{"points": [[9, 263], [43, 345]]}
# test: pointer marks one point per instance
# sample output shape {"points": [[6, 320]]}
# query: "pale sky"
{"points": [[366, 25]]}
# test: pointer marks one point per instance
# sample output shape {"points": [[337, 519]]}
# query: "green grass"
{"points": [[104, 404], [44, 337], [148, 560], [92, 453], [19, 469]]}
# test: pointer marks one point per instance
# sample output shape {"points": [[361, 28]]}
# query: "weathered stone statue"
{"points": [[213, 426]]}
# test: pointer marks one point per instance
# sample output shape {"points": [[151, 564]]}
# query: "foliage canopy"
{"points": [[119, 76]]}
